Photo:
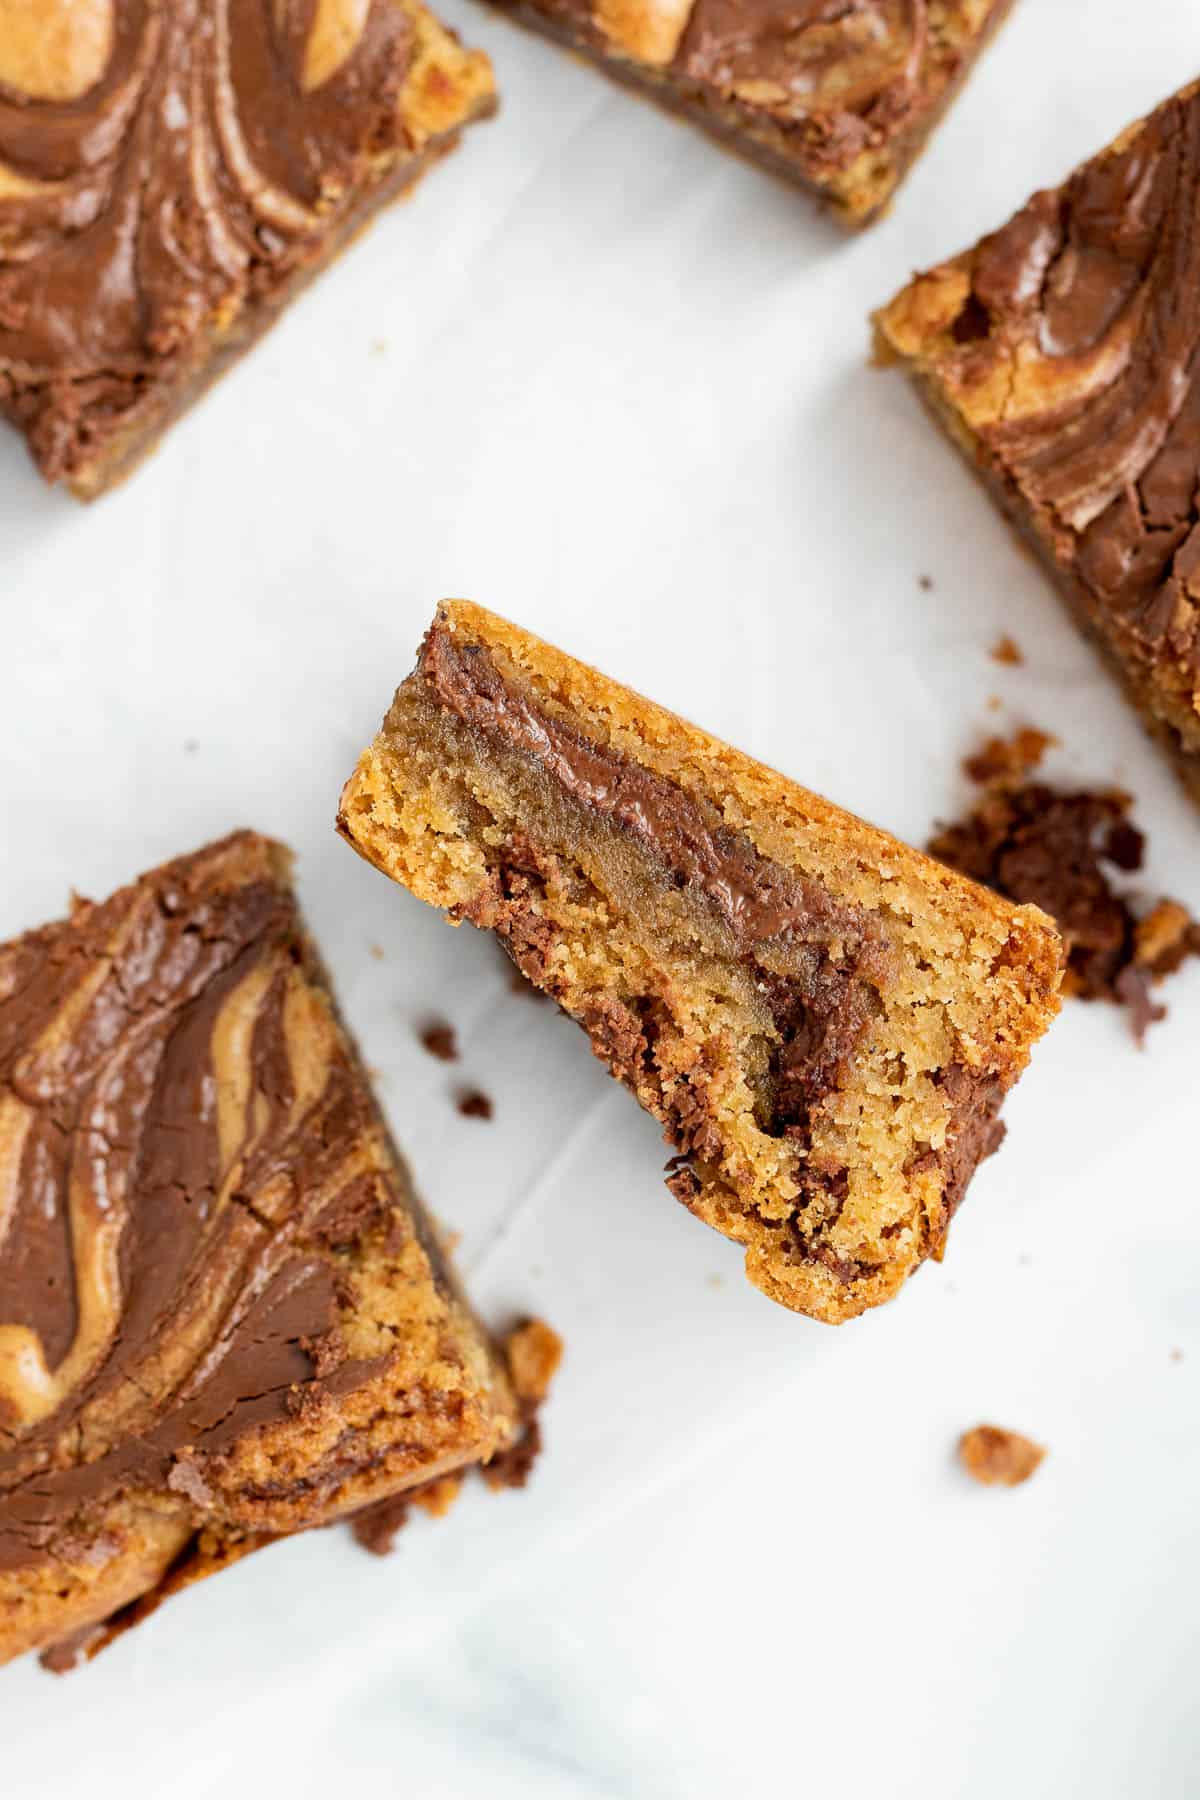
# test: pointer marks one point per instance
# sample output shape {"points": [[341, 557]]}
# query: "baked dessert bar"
{"points": [[170, 175], [1062, 355], [838, 97], [824, 1020], [222, 1315]]}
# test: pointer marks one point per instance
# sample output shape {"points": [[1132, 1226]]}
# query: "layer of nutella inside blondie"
{"points": [[839, 98], [824, 1021], [170, 176], [1062, 354], [222, 1315]]}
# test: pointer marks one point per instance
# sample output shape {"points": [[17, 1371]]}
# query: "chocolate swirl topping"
{"points": [[183, 1144], [858, 65], [161, 164], [1091, 297]]}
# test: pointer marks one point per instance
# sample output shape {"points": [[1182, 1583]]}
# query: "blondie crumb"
{"points": [[1057, 849], [1005, 759], [1007, 650], [998, 1458], [533, 1352]]}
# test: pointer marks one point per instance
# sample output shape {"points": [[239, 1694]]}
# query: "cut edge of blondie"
{"points": [[830, 1126]]}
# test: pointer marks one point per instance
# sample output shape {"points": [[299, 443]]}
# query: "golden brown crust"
{"points": [[930, 990]]}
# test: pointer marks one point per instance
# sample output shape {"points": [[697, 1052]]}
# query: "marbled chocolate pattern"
{"points": [[162, 162], [183, 1142], [1092, 294]]}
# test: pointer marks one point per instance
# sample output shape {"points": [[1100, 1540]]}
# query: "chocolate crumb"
{"points": [[375, 1528], [61, 1658], [474, 1104], [998, 1458], [1132, 988], [1054, 848], [1007, 650], [925, 582], [438, 1038]]}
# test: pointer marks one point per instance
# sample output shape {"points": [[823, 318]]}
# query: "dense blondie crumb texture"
{"points": [[824, 1022], [532, 1354], [1063, 356], [222, 1316], [998, 1458], [170, 174], [838, 95], [1059, 849]]}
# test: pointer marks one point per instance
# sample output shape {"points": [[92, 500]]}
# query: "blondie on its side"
{"points": [[1062, 356], [222, 1316], [171, 175], [839, 99], [824, 1021]]}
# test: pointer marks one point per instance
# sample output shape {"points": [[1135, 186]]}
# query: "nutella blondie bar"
{"points": [[837, 96], [824, 1021], [222, 1315], [1062, 356], [171, 174]]}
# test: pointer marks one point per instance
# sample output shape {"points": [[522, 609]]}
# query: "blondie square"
{"points": [[171, 175], [222, 1315], [1062, 356]]}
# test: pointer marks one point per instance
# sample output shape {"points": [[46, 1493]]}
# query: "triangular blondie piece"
{"points": [[824, 1020]]}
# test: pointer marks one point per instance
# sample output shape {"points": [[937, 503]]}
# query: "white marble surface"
{"points": [[608, 380]]}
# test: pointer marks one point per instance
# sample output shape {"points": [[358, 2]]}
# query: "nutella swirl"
{"points": [[1092, 296], [162, 163], [183, 1137], [856, 64]]}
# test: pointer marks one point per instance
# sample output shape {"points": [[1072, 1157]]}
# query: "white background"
{"points": [[609, 381]]}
